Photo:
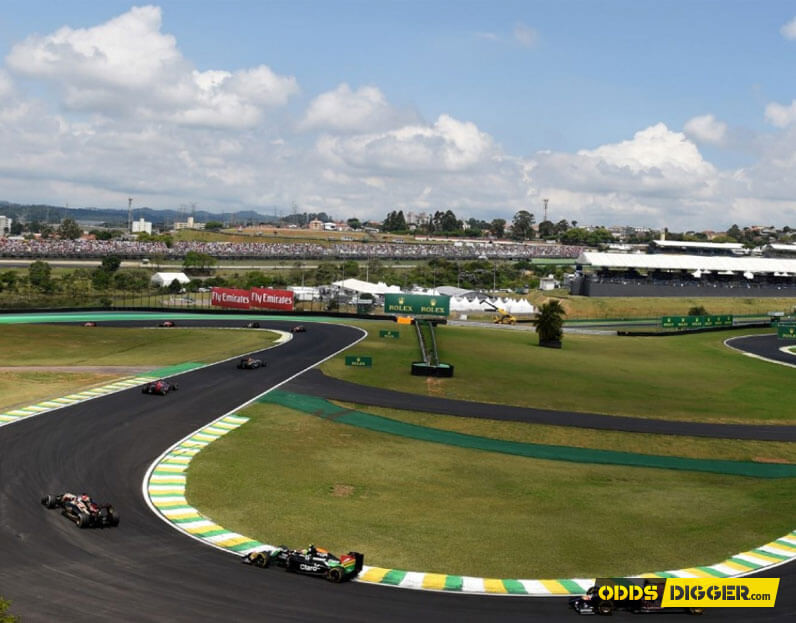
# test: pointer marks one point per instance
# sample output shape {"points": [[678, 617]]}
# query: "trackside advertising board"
{"points": [[230, 297], [786, 331], [260, 298], [417, 304], [695, 322], [265, 298]]}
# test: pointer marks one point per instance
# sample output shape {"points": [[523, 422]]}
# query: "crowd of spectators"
{"points": [[76, 249]]}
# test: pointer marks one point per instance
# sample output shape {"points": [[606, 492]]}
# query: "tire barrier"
{"points": [[421, 368]]}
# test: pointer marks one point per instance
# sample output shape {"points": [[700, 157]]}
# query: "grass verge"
{"points": [[51, 345], [426, 507], [692, 377], [63, 345], [21, 389], [667, 445]]}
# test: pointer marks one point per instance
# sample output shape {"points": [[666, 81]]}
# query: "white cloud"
{"points": [[655, 151], [127, 65], [789, 30], [6, 85], [448, 145], [344, 110], [171, 134], [706, 129], [525, 35], [779, 115]]}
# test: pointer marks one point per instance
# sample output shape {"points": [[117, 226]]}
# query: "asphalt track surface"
{"points": [[315, 383], [766, 346], [146, 571]]}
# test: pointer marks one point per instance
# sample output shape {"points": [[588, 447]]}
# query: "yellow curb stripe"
{"points": [[374, 574], [697, 572], [492, 585], [763, 556], [555, 587], [202, 529], [434, 581], [233, 541], [735, 566]]}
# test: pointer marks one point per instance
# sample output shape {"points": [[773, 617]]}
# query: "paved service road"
{"points": [[146, 571], [315, 383], [765, 346]]}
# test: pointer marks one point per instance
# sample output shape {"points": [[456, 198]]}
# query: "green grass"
{"points": [[292, 478], [54, 345], [667, 445], [21, 389], [647, 307], [692, 377], [61, 345]]}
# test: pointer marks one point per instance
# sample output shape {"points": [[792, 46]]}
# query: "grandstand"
{"points": [[697, 248], [636, 274], [780, 250]]}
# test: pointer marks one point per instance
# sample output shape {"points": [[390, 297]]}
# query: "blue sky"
{"points": [[646, 113]]}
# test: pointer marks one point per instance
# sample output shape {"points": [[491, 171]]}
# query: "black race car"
{"points": [[646, 596], [253, 325], [83, 510], [167, 323], [310, 561], [250, 363], [160, 387], [299, 328]]}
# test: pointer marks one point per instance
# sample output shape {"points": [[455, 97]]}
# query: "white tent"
{"points": [[366, 287], [165, 279]]}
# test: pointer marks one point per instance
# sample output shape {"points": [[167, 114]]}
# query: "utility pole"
{"points": [[545, 208], [130, 214]]}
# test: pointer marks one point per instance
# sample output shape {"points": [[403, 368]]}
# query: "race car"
{"points": [[81, 509], [167, 323], [90, 323], [593, 603], [299, 328], [253, 325], [310, 561], [250, 363], [159, 387]]}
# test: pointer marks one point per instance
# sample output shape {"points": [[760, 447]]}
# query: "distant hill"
{"points": [[116, 217]]}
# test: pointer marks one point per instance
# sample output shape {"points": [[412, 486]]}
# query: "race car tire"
{"points": [[605, 608], [175, 387], [261, 560], [290, 566], [49, 501], [335, 574], [113, 517], [83, 520]]}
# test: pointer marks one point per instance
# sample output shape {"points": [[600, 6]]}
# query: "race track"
{"points": [[146, 571], [316, 383]]}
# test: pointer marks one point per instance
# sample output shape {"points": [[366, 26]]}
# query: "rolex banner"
{"points": [[417, 304], [230, 297], [265, 298]]}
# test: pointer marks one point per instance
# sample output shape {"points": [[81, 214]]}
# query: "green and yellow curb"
{"points": [[164, 488], [21, 413]]}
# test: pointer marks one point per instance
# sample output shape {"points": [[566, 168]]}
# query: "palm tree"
{"points": [[549, 323]]}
